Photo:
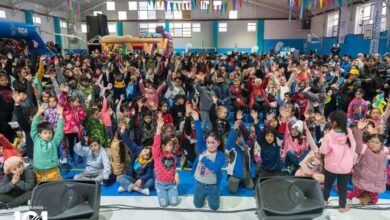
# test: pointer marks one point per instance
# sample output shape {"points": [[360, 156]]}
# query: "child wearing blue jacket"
{"points": [[139, 176], [207, 167], [241, 168]]}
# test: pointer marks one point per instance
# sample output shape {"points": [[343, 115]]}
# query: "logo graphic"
{"points": [[30, 215]]}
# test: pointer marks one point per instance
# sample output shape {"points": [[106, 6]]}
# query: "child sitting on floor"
{"points": [[98, 166], [139, 176], [18, 183]]}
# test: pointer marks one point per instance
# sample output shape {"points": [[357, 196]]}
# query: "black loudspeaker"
{"points": [[92, 27], [286, 198], [103, 26], [306, 24], [67, 199]]}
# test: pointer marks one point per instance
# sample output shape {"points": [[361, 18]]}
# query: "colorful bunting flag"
{"points": [[234, 4], [229, 5], [160, 2], [321, 3], [171, 5], [326, 3]]}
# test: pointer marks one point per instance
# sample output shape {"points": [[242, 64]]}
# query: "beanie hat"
{"points": [[298, 125], [354, 71]]}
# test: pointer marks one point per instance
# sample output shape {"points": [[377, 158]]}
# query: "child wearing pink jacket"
{"points": [[338, 147]]}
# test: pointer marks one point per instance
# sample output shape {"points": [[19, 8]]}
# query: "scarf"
{"points": [[140, 162]]}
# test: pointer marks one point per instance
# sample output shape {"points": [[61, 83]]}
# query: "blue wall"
{"points": [[293, 43], [268, 45], [353, 44]]}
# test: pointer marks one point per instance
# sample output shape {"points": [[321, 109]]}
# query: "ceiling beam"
{"points": [[16, 3], [269, 6], [89, 7]]}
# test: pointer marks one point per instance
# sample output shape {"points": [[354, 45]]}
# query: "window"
{"points": [[63, 24], [133, 6], [180, 29], [217, 3], [233, 14], [187, 4], [173, 15], [2, 14], [333, 25], [122, 15], [251, 27], [149, 27], [112, 27], [204, 5], [95, 13], [37, 20], [195, 27], [110, 6], [222, 27], [146, 11], [83, 28], [365, 16]]}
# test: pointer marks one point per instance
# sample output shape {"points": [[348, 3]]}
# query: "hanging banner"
{"points": [[171, 5], [301, 11], [343, 24], [374, 44], [327, 4], [241, 1], [291, 8]]}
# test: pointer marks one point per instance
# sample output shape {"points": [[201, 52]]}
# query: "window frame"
{"points": [[110, 5], [3, 14], [150, 27], [148, 8], [333, 24], [180, 29], [119, 15], [37, 19], [130, 5], [222, 29], [251, 27], [195, 28], [233, 14], [362, 19]]}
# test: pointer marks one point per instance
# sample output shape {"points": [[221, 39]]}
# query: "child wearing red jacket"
{"points": [[74, 115]]}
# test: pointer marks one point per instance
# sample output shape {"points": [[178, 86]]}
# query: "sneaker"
{"points": [[130, 188], [145, 191], [121, 189], [64, 161]]}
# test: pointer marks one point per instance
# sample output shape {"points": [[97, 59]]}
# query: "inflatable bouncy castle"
{"points": [[22, 31], [160, 41]]}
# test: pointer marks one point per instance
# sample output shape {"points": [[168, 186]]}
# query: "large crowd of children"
{"points": [[134, 118]]}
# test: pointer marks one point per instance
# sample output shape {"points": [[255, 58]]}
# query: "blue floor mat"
{"points": [[186, 186]]}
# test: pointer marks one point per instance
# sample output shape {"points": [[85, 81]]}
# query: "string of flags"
{"points": [[74, 7], [314, 4], [207, 5]]}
